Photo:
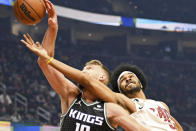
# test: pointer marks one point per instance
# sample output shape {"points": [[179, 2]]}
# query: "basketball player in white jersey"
{"points": [[131, 81], [80, 111]]}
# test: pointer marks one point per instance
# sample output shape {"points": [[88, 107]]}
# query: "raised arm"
{"points": [[58, 82], [49, 39]]}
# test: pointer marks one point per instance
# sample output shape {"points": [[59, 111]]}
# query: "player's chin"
{"points": [[132, 90], [130, 86]]}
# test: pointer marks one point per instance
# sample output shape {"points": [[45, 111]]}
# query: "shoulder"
{"points": [[165, 105]]}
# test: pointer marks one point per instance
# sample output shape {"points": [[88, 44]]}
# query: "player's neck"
{"points": [[88, 97], [140, 95]]}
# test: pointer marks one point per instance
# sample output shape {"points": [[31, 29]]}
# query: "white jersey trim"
{"points": [[89, 104]]}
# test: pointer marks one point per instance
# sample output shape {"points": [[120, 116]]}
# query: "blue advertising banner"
{"points": [[24, 127], [129, 22]]}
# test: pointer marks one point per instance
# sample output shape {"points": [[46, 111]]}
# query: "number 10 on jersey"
{"points": [[81, 127]]}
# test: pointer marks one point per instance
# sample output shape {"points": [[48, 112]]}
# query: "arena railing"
{"points": [[20, 99], [43, 113]]}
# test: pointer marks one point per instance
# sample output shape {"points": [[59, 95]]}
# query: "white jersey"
{"points": [[153, 115]]}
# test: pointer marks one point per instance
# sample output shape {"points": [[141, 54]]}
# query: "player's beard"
{"points": [[133, 90], [80, 87]]}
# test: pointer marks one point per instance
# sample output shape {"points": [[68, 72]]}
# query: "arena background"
{"points": [[162, 43]]}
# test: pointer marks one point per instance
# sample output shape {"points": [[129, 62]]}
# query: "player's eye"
{"points": [[122, 79], [88, 67]]}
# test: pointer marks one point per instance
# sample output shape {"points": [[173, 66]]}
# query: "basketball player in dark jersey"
{"points": [[80, 110]]}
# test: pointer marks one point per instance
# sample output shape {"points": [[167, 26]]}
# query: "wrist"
{"points": [[53, 27], [49, 60], [44, 59]]}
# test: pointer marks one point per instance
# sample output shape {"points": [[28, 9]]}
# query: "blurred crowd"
{"points": [[170, 80], [171, 73]]}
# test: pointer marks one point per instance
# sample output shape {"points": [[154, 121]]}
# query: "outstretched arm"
{"points": [[94, 86]]}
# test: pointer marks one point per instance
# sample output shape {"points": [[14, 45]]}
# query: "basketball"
{"points": [[29, 12]]}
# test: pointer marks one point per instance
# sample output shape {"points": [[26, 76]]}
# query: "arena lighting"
{"points": [[164, 25], [7, 2], [88, 16], [125, 21]]}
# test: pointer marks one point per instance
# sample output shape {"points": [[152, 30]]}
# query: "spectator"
{"points": [[15, 117], [5, 98]]}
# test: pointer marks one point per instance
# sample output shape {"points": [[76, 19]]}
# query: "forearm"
{"points": [[49, 39], [104, 93], [68, 71], [57, 80], [50, 73], [101, 91], [97, 88]]}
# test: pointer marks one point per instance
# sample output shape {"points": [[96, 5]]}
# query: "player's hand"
{"points": [[52, 17], [35, 47]]}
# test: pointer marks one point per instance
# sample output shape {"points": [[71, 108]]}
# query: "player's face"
{"points": [[94, 71], [130, 83]]}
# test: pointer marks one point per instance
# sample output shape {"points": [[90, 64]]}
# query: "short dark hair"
{"points": [[127, 67], [106, 70]]}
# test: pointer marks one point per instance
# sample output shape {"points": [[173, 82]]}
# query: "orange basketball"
{"points": [[29, 12]]}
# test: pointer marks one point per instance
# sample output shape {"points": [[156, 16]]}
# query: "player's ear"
{"points": [[102, 78], [141, 85]]}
